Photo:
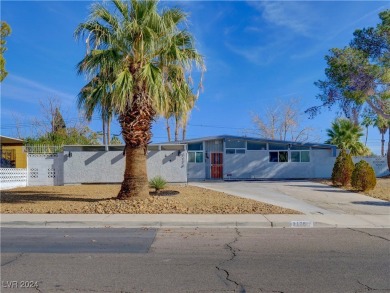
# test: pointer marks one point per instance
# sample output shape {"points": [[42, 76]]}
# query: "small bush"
{"points": [[157, 183], [342, 169], [363, 176]]}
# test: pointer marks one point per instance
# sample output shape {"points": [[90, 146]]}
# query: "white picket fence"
{"points": [[12, 177]]}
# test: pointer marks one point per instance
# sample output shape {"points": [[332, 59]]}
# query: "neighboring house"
{"points": [[234, 157], [12, 154]]}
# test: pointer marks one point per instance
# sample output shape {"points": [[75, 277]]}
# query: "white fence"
{"points": [[43, 149], [12, 177]]}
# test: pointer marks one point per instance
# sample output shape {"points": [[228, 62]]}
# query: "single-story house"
{"points": [[233, 157], [209, 158]]}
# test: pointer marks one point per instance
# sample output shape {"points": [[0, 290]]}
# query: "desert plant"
{"points": [[363, 176], [157, 183], [342, 169]]}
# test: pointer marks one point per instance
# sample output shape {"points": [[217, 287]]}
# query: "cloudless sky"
{"points": [[256, 52]]}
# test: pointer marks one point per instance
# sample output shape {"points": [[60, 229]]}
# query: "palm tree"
{"points": [[181, 98], [346, 135], [96, 95], [136, 44], [382, 125]]}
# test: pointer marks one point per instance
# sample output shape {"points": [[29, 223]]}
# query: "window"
{"points": [[255, 146], [300, 156], [299, 147], [305, 156], [295, 156], [195, 146], [195, 157], [280, 157], [235, 144], [278, 146], [234, 151]]}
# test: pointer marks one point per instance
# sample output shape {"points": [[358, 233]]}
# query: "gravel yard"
{"points": [[100, 199]]}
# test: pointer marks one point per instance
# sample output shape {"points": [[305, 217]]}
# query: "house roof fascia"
{"points": [[9, 140], [258, 139]]}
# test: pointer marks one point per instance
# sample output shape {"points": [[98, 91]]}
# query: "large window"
{"points": [[255, 146], [280, 157], [195, 152], [300, 156], [235, 146]]}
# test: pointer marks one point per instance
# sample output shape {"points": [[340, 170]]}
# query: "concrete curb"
{"points": [[192, 221]]}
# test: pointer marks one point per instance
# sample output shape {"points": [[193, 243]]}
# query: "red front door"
{"points": [[216, 165]]}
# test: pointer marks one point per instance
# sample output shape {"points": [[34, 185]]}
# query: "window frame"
{"points": [[278, 156], [195, 154]]}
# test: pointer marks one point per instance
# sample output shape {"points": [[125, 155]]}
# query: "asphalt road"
{"points": [[195, 260]]}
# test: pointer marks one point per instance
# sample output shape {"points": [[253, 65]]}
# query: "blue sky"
{"points": [[255, 52]]}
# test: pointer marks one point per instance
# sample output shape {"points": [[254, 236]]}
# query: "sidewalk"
{"points": [[192, 221]]}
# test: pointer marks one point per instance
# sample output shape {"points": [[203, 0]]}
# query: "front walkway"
{"points": [[305, 196]]}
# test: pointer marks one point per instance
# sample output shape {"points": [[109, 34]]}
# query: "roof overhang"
{"points": [[10, 140]]}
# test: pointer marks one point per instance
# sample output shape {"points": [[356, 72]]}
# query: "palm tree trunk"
{"points": [[135, 182], [383, 144], [177, 129], [388, 152], [108, 130], [365, 143], [136, 123], [168, 129], [184, 133], [104, 130]]}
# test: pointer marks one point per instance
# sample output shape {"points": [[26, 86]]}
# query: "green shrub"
{"points": [[342, 169], [157, 183], [363, 176]]}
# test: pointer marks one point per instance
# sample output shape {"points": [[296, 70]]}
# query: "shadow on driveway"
{"points": [[373, 203]]}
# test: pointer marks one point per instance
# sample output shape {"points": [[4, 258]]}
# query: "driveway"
{"points": [[304, 196]]}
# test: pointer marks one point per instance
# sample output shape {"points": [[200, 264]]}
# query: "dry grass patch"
{"points": [[381, 190], [91, 199]]}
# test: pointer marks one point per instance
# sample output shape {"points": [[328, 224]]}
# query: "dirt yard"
{"points": [[381, 191], [91, 199]]}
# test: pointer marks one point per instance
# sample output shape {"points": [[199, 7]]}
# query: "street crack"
{"points": [[363, 232], [13, 260], [368, 288], [233, 253]]}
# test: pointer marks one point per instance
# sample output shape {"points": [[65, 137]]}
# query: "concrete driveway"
{"points": [[304, 196]]}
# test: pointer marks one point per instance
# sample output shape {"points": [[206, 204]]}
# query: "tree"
{"points": [[342, 169], [68, 136], [51, 129], [137, 46], [5, 31], [359, 73], [382, 125], [281, 121], [58, 123], [346, 136]]}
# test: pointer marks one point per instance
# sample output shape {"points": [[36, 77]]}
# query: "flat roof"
{"points": [[9, 140], [257, 139]]}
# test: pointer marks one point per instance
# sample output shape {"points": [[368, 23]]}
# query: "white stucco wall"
{"points": [[196, 171], [256, 165], [108, 167], [378, 163]]}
